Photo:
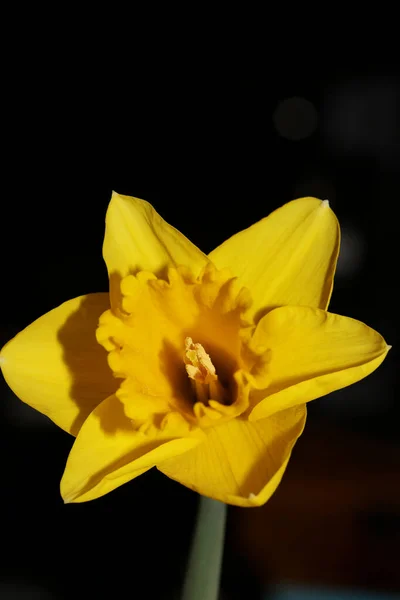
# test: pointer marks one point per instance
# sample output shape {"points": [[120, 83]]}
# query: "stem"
{"points": [[204, 566]]}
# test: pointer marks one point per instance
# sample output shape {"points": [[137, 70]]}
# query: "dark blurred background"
{"points": [[213, 153]]}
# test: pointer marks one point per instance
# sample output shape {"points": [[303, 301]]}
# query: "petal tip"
{"points": [[68, 498], [67, 495], [120, 198]]}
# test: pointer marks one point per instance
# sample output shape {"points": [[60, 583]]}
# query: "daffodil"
{"points": [[198, 365]]}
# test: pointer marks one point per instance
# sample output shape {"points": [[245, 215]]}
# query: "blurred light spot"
{"points": [[352, 252], [360, 116], [295, 118]]}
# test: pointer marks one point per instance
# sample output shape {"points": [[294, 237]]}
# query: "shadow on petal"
{"points": [[115, 289], [91, 378], [115, 279]]}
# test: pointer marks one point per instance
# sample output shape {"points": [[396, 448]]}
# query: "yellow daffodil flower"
{"points": [[211, 359]]}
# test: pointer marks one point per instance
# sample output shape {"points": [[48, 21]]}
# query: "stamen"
{"points": [[198, 363], [202, 374]]}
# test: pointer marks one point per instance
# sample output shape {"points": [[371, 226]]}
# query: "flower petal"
{"points": [[138, 239], [287, 258], [109, 452], [240, 463], [56, 365], [312, 353]]}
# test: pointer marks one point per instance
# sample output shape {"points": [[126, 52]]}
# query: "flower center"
{"points": [[168, 377], [201, 371]]}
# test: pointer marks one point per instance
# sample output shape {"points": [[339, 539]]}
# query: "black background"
{"points": [[204, 148]]}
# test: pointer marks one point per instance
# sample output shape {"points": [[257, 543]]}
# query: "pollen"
{"points": [[202, 373], [198, 363]]}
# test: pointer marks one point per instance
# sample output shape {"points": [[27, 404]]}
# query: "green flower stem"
{"points": [[204, 566]]}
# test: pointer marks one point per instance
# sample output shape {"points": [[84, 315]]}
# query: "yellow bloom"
{"points": [[211, 359]]}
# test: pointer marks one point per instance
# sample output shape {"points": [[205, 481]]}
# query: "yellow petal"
{"points": [[138, 239], [109, 452], [240, 463], [286, 258], [56, 365], [312, 353]]}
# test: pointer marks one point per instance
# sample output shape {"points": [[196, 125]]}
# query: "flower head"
{"points": [[199, 365]]}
